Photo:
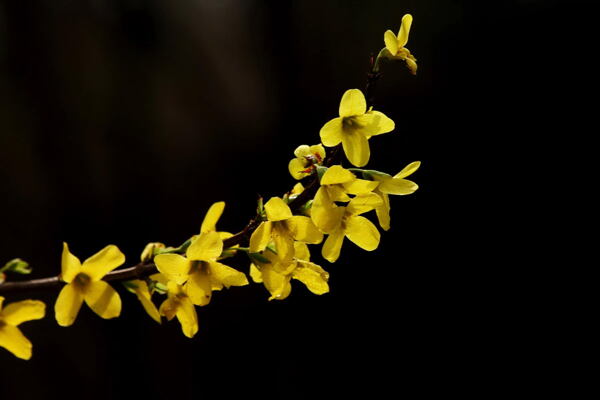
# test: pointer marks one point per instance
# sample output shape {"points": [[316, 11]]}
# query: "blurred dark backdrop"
{"points": [[122, 121]]}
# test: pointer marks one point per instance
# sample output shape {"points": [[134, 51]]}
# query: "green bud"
{"points": [[157, 287], [320, 171], [17, 266]]}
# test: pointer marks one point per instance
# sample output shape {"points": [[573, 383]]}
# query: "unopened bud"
{"points": [[150, 251]]}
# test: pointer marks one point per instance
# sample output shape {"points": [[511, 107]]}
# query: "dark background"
{"points": [[123, 121]]}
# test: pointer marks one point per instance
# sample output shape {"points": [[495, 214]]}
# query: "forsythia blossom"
{"points": [[84, 283], [178, 304], [354, 127], [13, 315], [307, 158], [395, 44]]}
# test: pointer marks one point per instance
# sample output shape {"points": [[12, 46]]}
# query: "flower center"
{"points": [[81, 280], [2, 323]]}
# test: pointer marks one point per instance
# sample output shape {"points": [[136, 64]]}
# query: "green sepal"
{"points": [[259, 257], [130, 286], [320, 171]]}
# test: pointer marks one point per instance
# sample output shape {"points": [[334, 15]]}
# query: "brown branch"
{"points": [[145, 269]]}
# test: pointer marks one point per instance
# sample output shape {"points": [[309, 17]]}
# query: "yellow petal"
{"points": [[297, 189], [318, 151], [21, 311], [261, 237], [313, 276], [363, 203], [284, 244], [226, 275], [303, 229], [188, 318], [337, 174], [383, 212], [411, 63], [207, 247], [333, 245], [362, 232], [301, 251], [276, 283], [331, 132], [408, 170], [277, 210], [398, 186], [70, 265], [103, 299], [212, 217], [391, 42], [143, 294], [174, 267], [356, 148], [168, 308], [302, 151], [326, 215], [13, 340], [67, 305], [375, 123], [255, 274], [296, 167], [337, 193], [103, 262], [360, 186], [199, 288], [404, 30], [353, 103]]}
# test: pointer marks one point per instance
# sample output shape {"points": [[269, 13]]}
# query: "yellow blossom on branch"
{"points": [[11, 337], [354, 127], [141, 290], [395, 44], [283, 228], [199, 269], [178, 304], [84, 283], [276, 276], [307, 158]]}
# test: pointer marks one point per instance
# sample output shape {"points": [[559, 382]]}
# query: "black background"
{"points": [[122, 122]]}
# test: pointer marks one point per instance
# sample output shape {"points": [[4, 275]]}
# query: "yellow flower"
{"points": [[306, 160], [336, 183], [396, 185], [395, 44], [84, 283], [354, 127], [283, 228], [141, 290], [179, 305], [347, 222], [276, 276], [199, 269], [13, 315]]}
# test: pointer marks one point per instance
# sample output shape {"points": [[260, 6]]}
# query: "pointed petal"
{"points": [[227, 275], [103, 299], [398, 186], [277, 210], [261, 237], [337, 174], [199, 288], [326, 215], [313, 276], [404, 30], [174, 267], [408, 170], [333, 245], [353, 103], [303, 229], [362, 232], [188, 318], [383, 212], [212, 217], [14, 341], [67, 305], [70, 265], [207, 247], [363, 202], [143, 294], [331, 132], [356, 148], [375, 123], [21, 311], [391, 42], [255, 274], [103, 262], [360, 186]]}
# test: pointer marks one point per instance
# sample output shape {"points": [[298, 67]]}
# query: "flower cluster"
{"points": [[330, 206]]}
